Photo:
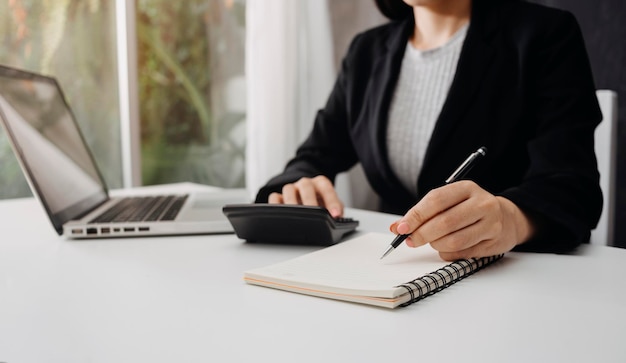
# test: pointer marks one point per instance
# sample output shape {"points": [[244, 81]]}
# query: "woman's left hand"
{"points": [[462, 220]]}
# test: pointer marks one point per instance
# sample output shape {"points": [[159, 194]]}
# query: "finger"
{"points": [[306, 191], [290, 194], [275, 198], [394, 227], [326, 191], [461, 239], [435, 202], [483, 249], [450, 221]]}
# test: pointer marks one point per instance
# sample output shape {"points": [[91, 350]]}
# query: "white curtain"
{"points": [[290, 73]]}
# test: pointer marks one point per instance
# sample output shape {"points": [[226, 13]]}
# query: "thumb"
{"points": [[410, 222]]}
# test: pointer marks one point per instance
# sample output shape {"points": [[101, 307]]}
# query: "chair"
{"points": [[606, 153]]}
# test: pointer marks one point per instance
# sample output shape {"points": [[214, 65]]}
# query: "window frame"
{"points": [[126, 33]]}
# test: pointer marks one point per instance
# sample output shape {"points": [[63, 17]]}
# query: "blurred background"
{"points": [[189, 65]]}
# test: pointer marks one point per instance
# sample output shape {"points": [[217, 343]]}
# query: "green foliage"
{"points": [[188, 52]]}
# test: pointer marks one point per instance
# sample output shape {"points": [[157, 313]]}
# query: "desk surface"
{"points": [[182, 299]]}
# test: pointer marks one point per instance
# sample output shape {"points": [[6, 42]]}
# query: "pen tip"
{"points": [[388, 251]]}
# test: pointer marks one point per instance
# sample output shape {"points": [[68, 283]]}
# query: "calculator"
{"points": [[287, 224]]}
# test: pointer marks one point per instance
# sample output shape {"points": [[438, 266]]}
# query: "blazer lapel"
{"points": [[476, 57], [379, 95]]}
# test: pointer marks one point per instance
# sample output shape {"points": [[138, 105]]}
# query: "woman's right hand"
{"points": [[317, 191]]}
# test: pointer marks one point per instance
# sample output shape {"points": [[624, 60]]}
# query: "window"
{"points": [[191, 63], [190, 72]]}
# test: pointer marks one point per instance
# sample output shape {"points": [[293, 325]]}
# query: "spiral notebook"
{"points": [[353, 271]]}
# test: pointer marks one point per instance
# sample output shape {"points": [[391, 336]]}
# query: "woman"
{"points": [[415, 96]]}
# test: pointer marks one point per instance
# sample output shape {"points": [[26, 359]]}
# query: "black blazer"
{"points": [[523, 88]]}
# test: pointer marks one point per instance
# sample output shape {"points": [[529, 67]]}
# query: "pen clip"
{"points": [[466, 165]]}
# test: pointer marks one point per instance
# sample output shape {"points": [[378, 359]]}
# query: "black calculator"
{"points": [[287, 224]]}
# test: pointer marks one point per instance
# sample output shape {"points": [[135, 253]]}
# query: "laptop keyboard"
{"points": [[137, 209]]}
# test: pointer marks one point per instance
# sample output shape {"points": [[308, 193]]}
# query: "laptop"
{"points": [[63, 175]]}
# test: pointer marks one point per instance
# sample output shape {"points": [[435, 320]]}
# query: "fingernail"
{"points": [[403, 228], [335, 212]]}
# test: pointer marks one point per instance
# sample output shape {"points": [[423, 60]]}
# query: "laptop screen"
{"points": [[49, 145]]}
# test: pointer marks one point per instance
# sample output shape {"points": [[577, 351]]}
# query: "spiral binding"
{"points": [[444, 277]]}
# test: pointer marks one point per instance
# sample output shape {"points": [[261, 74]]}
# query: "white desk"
{"points": [[183, 300]]}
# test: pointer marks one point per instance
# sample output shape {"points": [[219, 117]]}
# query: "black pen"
{"points": [[458, 173]]}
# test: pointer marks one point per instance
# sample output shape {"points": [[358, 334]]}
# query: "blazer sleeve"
{"points": [[561, 187]]}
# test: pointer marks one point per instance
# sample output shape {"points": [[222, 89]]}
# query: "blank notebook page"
{"points": [[353, 267]]}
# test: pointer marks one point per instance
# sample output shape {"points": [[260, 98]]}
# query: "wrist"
{"points": [[521, 224]]}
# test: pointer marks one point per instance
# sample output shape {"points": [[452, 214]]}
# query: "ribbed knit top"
{"points": [[423, 85]]}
